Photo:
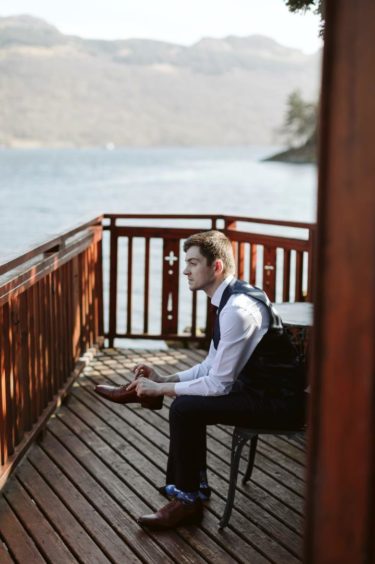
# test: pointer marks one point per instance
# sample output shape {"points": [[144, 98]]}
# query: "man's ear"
{"points": [[219, 266]]}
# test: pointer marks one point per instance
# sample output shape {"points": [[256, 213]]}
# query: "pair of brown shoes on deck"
{"points": [[121, 394]]}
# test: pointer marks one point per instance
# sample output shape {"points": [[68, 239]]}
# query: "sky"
{"points": [[176, 21]]}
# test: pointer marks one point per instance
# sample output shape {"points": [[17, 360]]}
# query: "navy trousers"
{"points": [[190, 415]]}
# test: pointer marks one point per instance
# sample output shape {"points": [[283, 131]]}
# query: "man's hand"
{"points": [[148, 388], [145, 371]]}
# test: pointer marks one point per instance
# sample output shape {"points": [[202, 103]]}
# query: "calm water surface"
{"points": [[44, 192]]}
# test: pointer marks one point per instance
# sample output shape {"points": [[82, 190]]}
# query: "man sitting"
{"points": [[251, 377]]}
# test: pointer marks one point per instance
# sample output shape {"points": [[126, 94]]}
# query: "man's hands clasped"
{"points": [[148, 382]]}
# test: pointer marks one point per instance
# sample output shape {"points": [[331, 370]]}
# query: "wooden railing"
{"points": [[146, 295], [50, 313], [52, 300]]}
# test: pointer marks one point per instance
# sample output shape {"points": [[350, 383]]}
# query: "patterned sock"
{"points": [[170, 490], [187, 497], [204, 492]]}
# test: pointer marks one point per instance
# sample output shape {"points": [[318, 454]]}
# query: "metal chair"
{"points": [[239, 438]]}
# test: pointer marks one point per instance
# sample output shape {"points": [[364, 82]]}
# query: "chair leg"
{"points": [[250, 464], [238, 442]]}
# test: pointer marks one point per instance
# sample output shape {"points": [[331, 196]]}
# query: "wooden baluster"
{"points": [[230, 225], [286, 276], [70, 314], [24, 374], [85, 298], [7, 383], [34, 351], [170, 292], [147, 285], [130, 287], [113, 284], [64, 320], [53, 350], [99, 288], [269, 272], [76, 303], [253, 264], [3, 406], [194, 315], [42, 340], [299, 274], [81, 298], [31, 345], [16, 390], [91, 265], [241, 261]]}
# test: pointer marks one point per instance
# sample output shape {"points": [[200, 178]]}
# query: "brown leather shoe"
{"points": [[120, 394], [173, 514]]}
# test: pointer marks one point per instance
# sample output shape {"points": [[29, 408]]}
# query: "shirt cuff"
{"points": [[180, 389]]}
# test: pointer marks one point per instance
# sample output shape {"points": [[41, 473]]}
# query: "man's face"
{"points": [[200, 275]]}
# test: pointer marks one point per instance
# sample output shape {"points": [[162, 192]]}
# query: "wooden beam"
{"points": [[341, 500]]}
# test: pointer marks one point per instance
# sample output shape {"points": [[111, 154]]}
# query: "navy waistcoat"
{"points": [[274, 368]]}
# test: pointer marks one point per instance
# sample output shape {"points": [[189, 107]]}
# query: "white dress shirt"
{"points": [[243, 322]]}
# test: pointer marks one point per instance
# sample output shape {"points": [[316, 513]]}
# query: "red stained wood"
{"points": [[147, 285], [341, 502], [171, 255], [269, 272], [241, 261], [130, 285], [286, 276], [113, 283], [57, 308], [253, 264], [48, 320], [299, 275]]}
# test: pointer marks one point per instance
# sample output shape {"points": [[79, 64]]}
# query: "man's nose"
{"points": [[186, 270]]}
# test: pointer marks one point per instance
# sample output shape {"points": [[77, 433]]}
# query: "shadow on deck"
{"points": [[78, 492]]}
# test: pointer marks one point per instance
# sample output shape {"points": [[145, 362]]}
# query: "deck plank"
{"points": [[109, 507], [45, 537], [78, 492], [109, 542], [5, 557], [72, 532], [17, 539]]}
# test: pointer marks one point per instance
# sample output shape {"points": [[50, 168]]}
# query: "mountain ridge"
{"points": [[63, 90]]}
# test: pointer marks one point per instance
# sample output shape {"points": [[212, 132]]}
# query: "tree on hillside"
{"points": [[300, 120]]}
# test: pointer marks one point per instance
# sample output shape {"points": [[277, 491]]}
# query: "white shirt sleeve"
{"points": [[199, 370], [241, 330]]}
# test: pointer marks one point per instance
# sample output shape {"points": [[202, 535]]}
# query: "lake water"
{"points": [[44, 192]]}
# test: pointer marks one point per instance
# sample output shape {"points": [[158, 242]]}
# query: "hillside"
{"points": [[60, 90]]}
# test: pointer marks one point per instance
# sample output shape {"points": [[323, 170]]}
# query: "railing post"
{"points": [[113, 283], [171, 255]]}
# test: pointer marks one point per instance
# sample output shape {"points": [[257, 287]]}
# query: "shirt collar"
{"points": [[216, 298]]}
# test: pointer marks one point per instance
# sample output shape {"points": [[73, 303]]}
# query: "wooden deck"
{"points": [[78, 492]]}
